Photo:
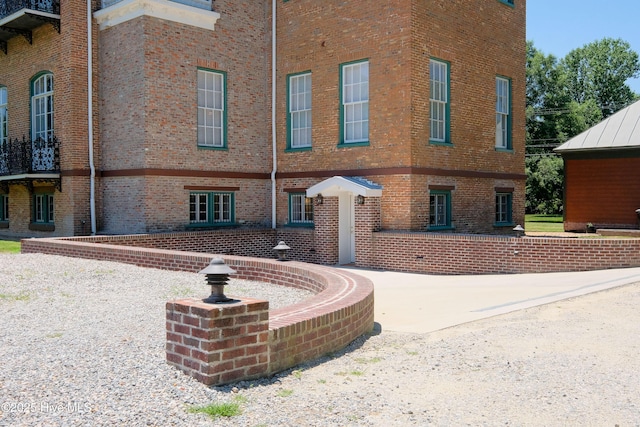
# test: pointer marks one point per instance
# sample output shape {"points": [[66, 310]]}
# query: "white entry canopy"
{"points": [[351, 184]]}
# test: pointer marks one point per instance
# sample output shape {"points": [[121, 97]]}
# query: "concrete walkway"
{"points": [[420, 303]]}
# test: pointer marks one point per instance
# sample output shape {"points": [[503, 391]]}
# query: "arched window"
{"points": [[42, 107]]}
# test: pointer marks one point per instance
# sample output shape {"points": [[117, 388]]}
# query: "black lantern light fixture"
{"points": [[319, 199], [217, 276], [281, 250], [360, 199]]}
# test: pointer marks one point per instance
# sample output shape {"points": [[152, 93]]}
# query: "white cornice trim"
{"points": [[127, 10]]}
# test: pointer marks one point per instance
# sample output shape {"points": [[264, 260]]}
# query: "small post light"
{"points": [[217, 276], [281, 249], [319, 199], [360, 199], [519, 230]]}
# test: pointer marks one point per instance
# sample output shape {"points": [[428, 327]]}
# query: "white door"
{"points": [[347, 232]]}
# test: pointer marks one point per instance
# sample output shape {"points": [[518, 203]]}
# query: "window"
{"points": [[503, 209], [42, 107], [211, 208], [440, 209], [354, 100], [3, 114], [43, 209], [503, 116], [4, 207], [299, 108], [300, 209], [439, 101], [212, 114]]}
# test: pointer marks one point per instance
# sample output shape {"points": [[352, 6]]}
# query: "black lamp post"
{"points": [[217, 276]]}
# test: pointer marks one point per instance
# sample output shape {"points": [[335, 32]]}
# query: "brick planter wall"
{"points": [[340, 311], [218, 343], [481, 254]]}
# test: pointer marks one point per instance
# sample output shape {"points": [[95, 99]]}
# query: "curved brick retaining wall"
{"points": [[341, 310]]}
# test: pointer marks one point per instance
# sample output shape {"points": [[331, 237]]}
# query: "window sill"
{"points": [[503, 224], [299, 225], [442, 143], [296, 149], [353, 144], [37, 226], [209, 147], [504, 150], [441, 228], [209, 226]]}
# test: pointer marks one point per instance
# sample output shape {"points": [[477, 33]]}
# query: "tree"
{"points": [[598, 71], [544, 188]]}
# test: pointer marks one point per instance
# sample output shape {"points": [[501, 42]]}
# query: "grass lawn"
{"points": [[544, 223], [9, 246]]}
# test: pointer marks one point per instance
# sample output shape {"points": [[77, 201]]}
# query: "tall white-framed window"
{"points": [[300, 209], [354, 97], [299, 111], [3, 114], [212, 111], [211, 208], [42, 107], [438, 101], [503, 113]]}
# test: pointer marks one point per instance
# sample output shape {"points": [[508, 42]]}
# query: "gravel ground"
{"points": [[82, 344]]}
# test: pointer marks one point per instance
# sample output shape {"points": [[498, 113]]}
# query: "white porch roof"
{"points": [[350, 184]]}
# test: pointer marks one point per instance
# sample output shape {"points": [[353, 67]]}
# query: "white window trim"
{"points": [[303, 112], [298, 203], [46, 99], [363, 102], [212, 110], [503, 106], [438, 104]]}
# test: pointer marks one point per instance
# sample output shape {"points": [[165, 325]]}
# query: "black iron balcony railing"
{"points": [[7, 7], [20, 157]]}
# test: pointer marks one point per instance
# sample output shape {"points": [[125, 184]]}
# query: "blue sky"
{"points": [[558, 26]]}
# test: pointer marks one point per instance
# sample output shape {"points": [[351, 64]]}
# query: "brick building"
{"points": [[601, 175], [404, 116]]}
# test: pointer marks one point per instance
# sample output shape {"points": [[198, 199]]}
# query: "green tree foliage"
{"points": [[544, 184], [599, 71], [564, 98]]}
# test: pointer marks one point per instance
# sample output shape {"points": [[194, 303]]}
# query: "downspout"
{"points": [[92, 167], [273, 115]]}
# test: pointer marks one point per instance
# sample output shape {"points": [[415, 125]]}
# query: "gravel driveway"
{"points": [[82, 344]]}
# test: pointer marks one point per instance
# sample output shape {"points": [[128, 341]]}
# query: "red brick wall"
{"points": [[604, 192], [472, 254], [397, 251], [65, 55], [481, 40], [149, 117]]}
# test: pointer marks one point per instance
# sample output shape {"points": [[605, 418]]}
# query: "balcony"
{"points": [[24, 161], [21, 17]]}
